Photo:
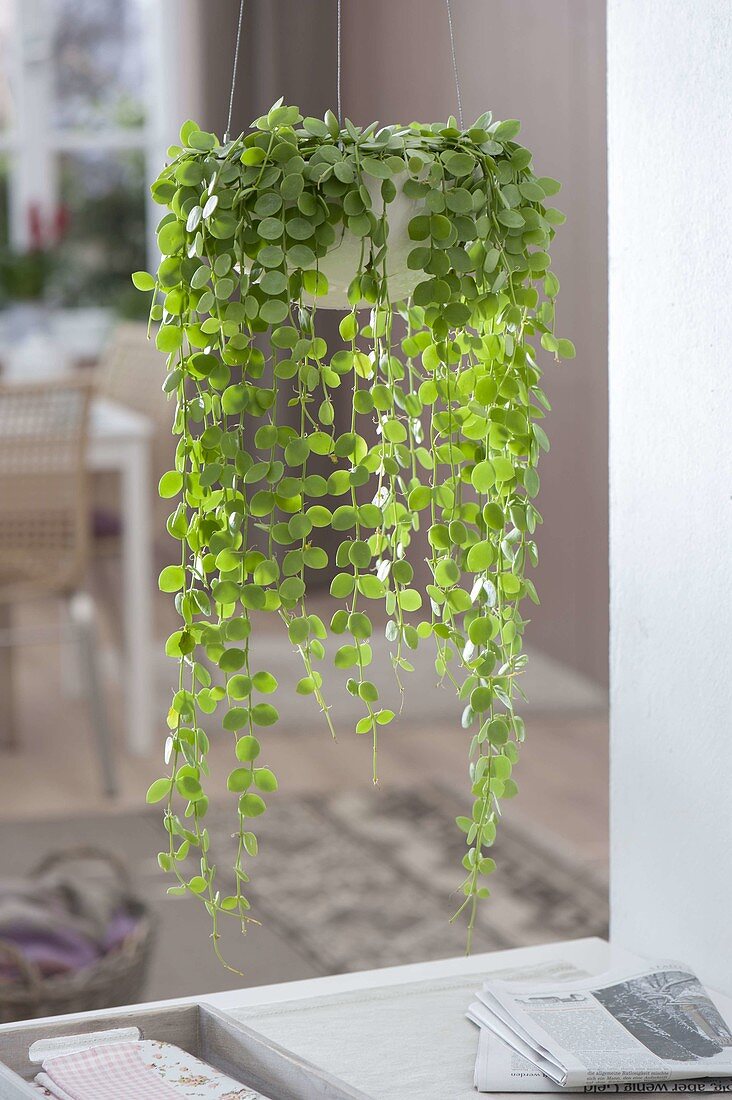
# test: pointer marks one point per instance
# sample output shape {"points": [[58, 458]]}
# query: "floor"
{"points": [[50, 786]]}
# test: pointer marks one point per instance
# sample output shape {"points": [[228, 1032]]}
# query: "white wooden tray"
{"points": [[199, 1029]]}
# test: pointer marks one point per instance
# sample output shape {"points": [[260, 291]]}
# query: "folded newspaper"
{"points": [[653, 1029]]}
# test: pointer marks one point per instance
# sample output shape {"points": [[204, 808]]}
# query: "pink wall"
{"points": [[543, 63]]}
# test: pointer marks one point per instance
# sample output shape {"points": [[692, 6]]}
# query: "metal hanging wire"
{"points": [[234, 72], [338, 67], [339, 97], [455, 71]]}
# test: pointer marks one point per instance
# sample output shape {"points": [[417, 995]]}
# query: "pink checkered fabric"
{"points": [[46, 1086], [113, 1072]]}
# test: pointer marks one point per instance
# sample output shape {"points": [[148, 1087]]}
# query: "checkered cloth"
{"points": [[46, 1087], [102, 1072]]}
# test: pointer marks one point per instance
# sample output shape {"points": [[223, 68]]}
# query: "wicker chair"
{"points": [[131, 371], [44, 533]]}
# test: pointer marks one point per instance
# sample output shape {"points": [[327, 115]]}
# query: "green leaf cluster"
{"points": [[444, 438]]}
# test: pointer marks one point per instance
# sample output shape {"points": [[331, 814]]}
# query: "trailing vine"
{"points": [[445, 437]]}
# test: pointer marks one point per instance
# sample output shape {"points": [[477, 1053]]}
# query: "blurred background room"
{"points": [[91, 94]]}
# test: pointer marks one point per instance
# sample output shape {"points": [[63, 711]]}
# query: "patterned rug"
{"points": [[367, 878]]}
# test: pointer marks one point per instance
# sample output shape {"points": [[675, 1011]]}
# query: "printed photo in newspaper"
{"points": [[656, 1025]]}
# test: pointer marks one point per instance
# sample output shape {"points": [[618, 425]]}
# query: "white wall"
{"points": [[670, 181]]}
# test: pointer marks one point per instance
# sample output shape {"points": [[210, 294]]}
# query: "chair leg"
{"points": [[72, 677], [8, 729], [82, 611]]}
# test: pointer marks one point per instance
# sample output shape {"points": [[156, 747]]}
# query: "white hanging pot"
{"points": [[341, 263]]}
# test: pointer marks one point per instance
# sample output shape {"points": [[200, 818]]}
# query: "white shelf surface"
{"points": [[397, 1033]]}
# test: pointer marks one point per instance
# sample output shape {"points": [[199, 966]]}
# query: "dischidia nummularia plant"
{"points": [[435, 242]]}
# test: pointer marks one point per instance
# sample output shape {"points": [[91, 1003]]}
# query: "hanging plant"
{"points": [[434, 240]]}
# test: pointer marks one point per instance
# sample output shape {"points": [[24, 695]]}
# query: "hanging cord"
{"points": [[338, 75], [235, 68], [234, 71], [454, 66]]}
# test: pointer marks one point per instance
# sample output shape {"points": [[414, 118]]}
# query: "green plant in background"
{"points": [[23, 275], [444, 436]]}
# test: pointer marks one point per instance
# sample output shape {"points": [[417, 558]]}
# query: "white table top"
{"points": [[388, 1012], [401, 1033], [397, 1034], [370, 1026]]}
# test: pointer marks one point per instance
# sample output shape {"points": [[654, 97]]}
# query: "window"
{"points": [[98, 65], [77, 141]]}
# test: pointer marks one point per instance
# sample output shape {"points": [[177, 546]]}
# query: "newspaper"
{"points": [[654, 1029], [498, 1068]]}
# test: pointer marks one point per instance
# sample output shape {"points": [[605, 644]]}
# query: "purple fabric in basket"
{"points": [[55, 940], [122, 924], [53, 950]]}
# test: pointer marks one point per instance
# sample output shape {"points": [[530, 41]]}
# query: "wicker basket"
{"points": [[115, 979]]}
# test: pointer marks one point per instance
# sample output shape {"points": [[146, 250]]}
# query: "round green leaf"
{"points": [[235, 719], [446, 573], [251, 805], [265, 779], [480, 557], [158, 790], [170, 484], [247, 749], [264, 714], [143, 280], [270, 229], [483, 477], [239, 687], [264, 682], [240, 779], [172, 578]]}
